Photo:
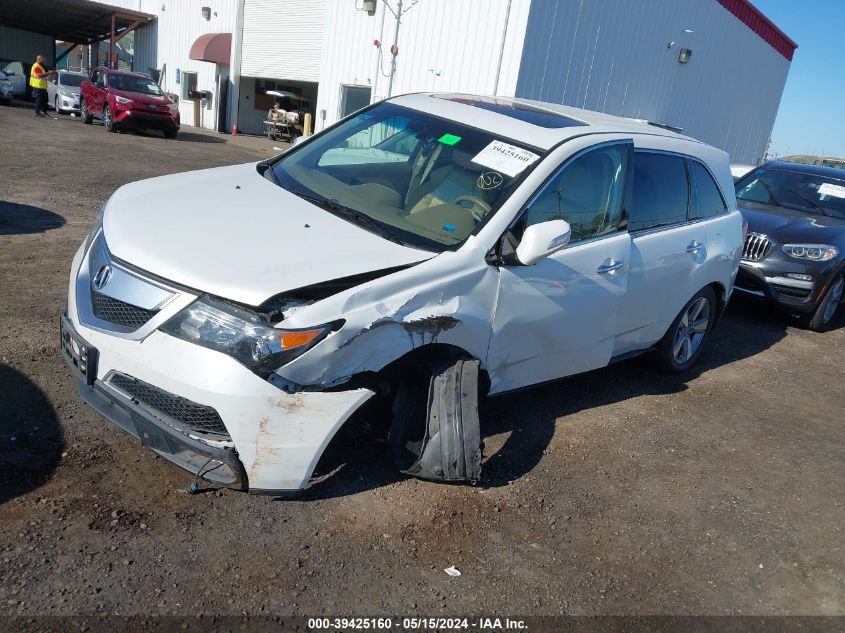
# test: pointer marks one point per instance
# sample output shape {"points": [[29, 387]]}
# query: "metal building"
{"points": [[714, 68]]}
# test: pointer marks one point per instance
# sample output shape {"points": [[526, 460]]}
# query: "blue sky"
{"points": [[811, 119]]}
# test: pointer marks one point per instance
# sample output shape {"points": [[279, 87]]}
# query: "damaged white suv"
{"points": [[424, 252]]}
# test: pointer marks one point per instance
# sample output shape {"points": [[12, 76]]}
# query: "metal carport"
{"points": [[79, 22]]}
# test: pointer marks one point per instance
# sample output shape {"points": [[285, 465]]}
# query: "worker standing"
{"points": [[38, 82]]}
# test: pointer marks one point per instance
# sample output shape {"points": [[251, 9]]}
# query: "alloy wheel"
{"points": [[691, 330], [835, 298]]}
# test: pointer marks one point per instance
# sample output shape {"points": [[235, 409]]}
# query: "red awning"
{"points": [[212, 47]]}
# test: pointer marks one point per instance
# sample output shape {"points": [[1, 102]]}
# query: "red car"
{"points": [[128, 100]]}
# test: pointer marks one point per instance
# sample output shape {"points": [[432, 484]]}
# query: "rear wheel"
{"points": [[87, 117], [108, 122], [683, 343], [819, 320]]}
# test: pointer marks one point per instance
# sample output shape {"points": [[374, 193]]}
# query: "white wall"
{"points": [[444, 45], [283, 38], [167, 43], [613, 56]]}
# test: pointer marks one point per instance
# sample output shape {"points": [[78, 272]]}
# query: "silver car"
{"points": [[5, 88], [63, 91]]}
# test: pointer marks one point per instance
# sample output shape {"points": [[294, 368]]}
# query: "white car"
{"points": [[63, 91], [234, 319]]}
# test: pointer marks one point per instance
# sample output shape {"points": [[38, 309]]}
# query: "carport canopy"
{"points": [[75, 21]]}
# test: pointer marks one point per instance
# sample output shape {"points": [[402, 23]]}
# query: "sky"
{"points": [[811, 119]]}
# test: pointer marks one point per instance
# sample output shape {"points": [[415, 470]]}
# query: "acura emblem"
{"points": [[102, 277], [152, 106]]}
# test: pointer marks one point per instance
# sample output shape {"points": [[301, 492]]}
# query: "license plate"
{"points": [[81, 356]]}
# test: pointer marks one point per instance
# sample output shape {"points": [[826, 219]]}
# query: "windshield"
{"points": [[811, 193], [71, 80], [128, 83], [412, 177]]}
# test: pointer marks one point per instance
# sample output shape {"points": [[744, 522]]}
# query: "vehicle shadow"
{"points": [[31, 439], [185, 137], [528, 417], [21, 219]]}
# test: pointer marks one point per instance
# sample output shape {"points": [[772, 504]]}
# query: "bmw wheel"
{"points": [[819, 320], [683, 343]]}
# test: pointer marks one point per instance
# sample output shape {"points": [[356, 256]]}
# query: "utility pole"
{"points": [[394, 50]]}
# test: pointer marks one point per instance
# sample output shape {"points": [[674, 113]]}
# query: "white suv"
{"points": [[423, 252]]}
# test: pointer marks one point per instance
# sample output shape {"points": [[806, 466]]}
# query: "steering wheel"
{"points": [[476, 202]]}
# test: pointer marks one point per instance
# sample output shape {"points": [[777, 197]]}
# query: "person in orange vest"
{"points": [[38, 82]]}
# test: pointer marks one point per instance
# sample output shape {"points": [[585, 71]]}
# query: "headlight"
{"points": [[811, 252], [174, 107], [67, 94], [98, 224], [124, 100], [243, 335], [5, 84]]}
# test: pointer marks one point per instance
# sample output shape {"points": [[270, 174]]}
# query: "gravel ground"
{"points": [[615, 492]]}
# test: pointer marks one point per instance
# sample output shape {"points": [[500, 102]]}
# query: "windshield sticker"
{"points": [[449, 139], [490, 180], [829, 189], [506, 158]]}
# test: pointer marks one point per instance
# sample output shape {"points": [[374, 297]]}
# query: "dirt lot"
{"points": [[616, 492]]}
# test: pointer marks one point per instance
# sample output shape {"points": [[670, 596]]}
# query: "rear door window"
{"points": [[660, 192], [707, 201]]}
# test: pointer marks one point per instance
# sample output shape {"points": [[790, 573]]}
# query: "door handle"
{"points": [[694, 247], [609, 268]]}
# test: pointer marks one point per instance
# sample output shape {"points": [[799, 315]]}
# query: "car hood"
{"points": [[231, 232], [140, 97], [790, 225]]}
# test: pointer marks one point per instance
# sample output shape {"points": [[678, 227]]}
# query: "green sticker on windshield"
{"points": [[449, 139]]}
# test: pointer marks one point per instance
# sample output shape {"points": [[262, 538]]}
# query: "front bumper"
{"points": [[142, 119], [768, 280], [275, 438], [69, 104]]}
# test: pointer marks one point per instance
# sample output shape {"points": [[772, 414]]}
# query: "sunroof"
{"points": [[516, 110]]}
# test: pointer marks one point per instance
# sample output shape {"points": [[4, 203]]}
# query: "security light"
{"points": [[206, 13], [684, 56], [369, 6]]}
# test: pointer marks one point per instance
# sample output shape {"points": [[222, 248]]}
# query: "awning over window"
{"points": [[212, 47]]}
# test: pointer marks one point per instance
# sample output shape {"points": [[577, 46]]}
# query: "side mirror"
{"points": [[541, 240]]}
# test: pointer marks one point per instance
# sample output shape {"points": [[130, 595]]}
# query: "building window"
{"points": [[188, 84]]}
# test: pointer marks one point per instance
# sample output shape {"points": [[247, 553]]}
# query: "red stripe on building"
{"points": [[754, 19]]}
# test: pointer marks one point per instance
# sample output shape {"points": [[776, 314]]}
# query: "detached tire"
{"points": [[819, 320], [87, 117], [686, 338]]}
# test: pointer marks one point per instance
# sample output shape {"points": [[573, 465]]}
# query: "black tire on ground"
{"points": [[108, 122], [87, 117], [171, 133], [821, 318], [681, 346]]}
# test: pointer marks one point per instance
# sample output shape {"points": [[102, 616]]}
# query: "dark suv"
{"points": [[793, 254]]}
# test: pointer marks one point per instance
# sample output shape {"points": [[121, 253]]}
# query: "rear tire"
{"points": [[819, 320], [108, 122], [87, 117], [681, 346]]}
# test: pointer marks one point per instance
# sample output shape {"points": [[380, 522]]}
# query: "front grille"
{"points": [[757, 247], [119, 312], [180, 413]]}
